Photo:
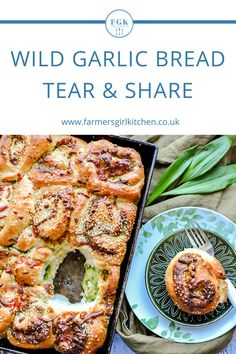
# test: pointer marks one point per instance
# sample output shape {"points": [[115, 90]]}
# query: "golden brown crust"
{"points": [[110, 276], [6, 318], [194, 281], [104, 224], [5, 201], [32, 325], [17, 338], [112, 170], [10, 299], [27, 239], [28, 271], [82, 332], [53, 205], [20, 212], [19, 152], [59, 194], [59, 166]]}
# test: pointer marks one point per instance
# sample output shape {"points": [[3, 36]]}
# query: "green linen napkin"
{"points": [[136, 336]]}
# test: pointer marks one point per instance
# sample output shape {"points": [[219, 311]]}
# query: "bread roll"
{"points": [[196, 282], [112, 170], [19, 152]]}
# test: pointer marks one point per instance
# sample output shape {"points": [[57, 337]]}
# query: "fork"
{"points": [[199, 239]]}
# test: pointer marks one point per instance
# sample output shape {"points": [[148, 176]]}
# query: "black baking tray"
{"points": [[148, 153]]}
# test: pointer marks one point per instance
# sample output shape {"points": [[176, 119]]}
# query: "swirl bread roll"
{"points": [[19, 152], [104, 224], [196, 281], [32, 327], [83, 331], [60, 164], [112, 170], [53, 205]]}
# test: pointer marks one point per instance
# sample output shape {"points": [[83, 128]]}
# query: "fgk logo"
{"points": [[119, 23]]}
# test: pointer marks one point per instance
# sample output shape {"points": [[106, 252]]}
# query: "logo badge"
{"points": [[119, 23]]}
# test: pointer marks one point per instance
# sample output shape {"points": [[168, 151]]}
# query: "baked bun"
{"points": [[59, 194], [32, 327], [196, 282], [19, 152], [53, 205], [112, 170], [60, 164], [104, 224], [83, 331]]}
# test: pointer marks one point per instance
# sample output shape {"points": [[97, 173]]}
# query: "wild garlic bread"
{"points": [[59, 194]]}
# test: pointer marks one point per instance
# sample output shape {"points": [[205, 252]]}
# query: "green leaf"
{"points": [[163, 333], [185, 220], [211, 218], [186, 335], [215, 180], [172, 213], [177, 334], [140, 249], [160, 227], [197, 217], [190, 212], [153, 224], [157, 221], [172, 327], [172, 173], [207, 157], [152, 323], [134, 306], [179, 212], [147, 234]]}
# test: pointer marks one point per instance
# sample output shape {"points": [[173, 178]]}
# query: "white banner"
{"points": [[98, 69]]}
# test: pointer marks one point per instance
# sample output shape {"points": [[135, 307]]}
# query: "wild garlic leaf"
{"points": [[215, 180], [173, 172], [207, 157]]}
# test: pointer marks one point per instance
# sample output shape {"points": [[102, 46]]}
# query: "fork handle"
{"points": [[231, 293]]}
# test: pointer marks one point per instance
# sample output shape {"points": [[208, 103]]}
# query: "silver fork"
{"points": [[199, 239]]}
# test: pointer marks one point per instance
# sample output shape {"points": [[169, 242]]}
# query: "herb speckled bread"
{"points": [[59, 194]]}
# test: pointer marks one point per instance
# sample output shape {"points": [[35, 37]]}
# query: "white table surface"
{"points": [[119, 347]]}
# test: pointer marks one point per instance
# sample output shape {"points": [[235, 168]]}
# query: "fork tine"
{"points": [[192, 241], [202, 233], [196, 237]]}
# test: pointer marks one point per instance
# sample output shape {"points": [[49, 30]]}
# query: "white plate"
{"points": [[150, 234]]}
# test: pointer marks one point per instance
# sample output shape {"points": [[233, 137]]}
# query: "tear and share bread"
{"points": [[59, 194], [196, 281]]}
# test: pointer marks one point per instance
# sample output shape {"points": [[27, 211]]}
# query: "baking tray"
{"points": [[148, 153]]}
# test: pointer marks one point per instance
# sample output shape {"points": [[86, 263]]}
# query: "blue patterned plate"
{"points": [[156, 267], [169, 226]]}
